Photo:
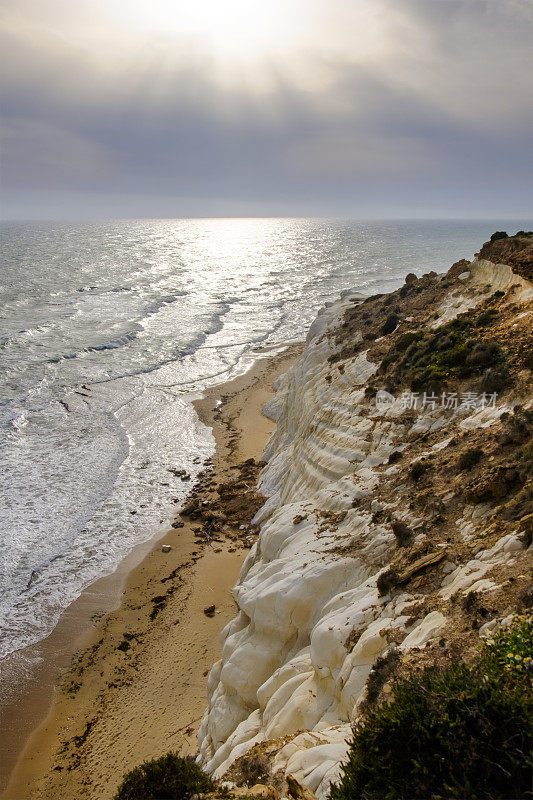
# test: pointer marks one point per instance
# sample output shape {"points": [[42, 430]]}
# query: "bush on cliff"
{"points": [[167, 778], [426, 361], [470, 458], [464, 732]]}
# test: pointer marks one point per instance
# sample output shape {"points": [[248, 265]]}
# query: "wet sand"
{"points": [[137, 688]]}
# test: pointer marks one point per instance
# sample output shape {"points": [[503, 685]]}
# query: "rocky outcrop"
{"points": [[379, 551], [517, 251]]}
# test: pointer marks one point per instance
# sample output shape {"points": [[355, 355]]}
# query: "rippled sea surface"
{"points": [[108, 330]]}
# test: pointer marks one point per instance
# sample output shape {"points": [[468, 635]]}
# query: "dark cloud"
{"points": [[439, 125]]}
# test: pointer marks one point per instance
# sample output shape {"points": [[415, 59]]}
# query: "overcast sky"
{"points": [[360, 108]]}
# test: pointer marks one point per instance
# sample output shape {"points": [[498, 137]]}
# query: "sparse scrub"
{"points": [[254, 769], [526, 453], [427, 361], [170, 777], [395, 456], [498, 235], [486, 317], [402, 532], [390, 324], [382, 671], [418, 470], [470, 458], [387, 581], [483, 354], [459, 732], [495, 380]]}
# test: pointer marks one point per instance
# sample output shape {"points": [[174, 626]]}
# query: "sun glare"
{"points": [[228, 27], [236, 43]]}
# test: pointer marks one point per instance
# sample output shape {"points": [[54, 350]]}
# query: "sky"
{"points": [[353, 108]]}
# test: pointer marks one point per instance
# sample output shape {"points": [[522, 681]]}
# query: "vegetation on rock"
{"points": [[498, 235], [463, 732], [517, 251], [418, 469], [428, 360], [170, 777], [470, 458]]}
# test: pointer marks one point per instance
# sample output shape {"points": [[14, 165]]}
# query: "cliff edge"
{"points": [[398, 521]]}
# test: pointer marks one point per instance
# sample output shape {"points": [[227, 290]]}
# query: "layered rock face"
{"points": [[395, 529]]}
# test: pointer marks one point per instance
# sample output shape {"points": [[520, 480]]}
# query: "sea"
{"points": [[109, 331]]}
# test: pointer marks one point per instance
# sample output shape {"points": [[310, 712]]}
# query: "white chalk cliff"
{"points": [[311, 621]]}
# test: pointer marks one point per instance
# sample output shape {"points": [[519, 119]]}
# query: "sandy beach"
{"points": [[137, 688]]}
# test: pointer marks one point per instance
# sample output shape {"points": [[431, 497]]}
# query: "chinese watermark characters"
{"points": [[467, 401]]}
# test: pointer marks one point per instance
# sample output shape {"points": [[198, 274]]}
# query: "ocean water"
{"points": [[109, 330]]}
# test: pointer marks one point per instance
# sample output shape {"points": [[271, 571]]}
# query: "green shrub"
{"points": [[495, 379], [498, 235], [390, 324], [427, 361], [470, 458], [455, 355], [483, 354], [170, 777], [526, 452], [462, 732], [417, 470], [406, 339], [395, 456], [387, 581], [486, 317], [382, 671], [509, 653], [254, 768]]}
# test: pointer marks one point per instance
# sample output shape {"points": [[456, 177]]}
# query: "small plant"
{"points": [[510, 652], [387, 581], [417, 470], [402, 532], [254, 768], [470, 458], [498, 235], [526, 453], [461, 732], [170, 777], [395, 456], [390, 324], [495, 380], [486, 317], [484, 354], [427, 361], [406, 339], [382, 671]]}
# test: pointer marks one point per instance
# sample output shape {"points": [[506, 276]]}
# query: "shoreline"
{"points": [[138, 687]]}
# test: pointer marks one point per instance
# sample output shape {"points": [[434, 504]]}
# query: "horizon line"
{"points": [[222, 217]]}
